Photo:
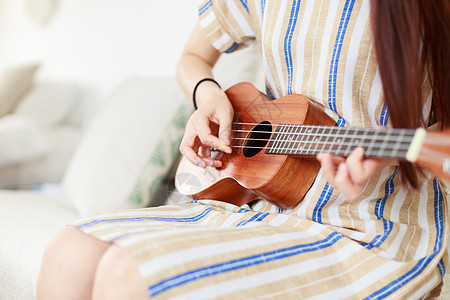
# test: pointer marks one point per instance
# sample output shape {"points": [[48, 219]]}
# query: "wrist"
{"points": [[205, 89]]}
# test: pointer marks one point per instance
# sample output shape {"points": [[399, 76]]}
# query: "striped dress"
{"points": [[390, 244]]}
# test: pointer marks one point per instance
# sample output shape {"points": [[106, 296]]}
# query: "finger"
{"points": [[191, 156], [354, 163], [328, 167], [335, 159], [344, 184], [225, 124], [373, 165], [205, 155], [188, 150], [206, 137]]}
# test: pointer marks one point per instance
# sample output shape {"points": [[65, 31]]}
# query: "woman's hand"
{"points": [[350, 175], [209, 126]]}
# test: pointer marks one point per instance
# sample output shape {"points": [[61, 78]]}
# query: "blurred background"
{"points": [[95, 43], [60, 62]]}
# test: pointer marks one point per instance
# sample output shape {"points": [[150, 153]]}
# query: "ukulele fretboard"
{"points": [[291, 139]]}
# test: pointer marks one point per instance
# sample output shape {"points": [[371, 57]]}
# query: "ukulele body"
{"points": [[248, 173]]}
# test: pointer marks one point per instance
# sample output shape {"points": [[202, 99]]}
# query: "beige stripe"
{"points": [[314, 39], [342, 57]]}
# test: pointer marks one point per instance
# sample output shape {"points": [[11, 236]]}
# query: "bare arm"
{"points": [[196, 63]]}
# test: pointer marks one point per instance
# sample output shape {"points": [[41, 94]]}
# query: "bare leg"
{"points": [[118, 277], [69, 265]]}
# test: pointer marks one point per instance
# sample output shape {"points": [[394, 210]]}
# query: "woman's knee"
{"points": [[61, 244], [70, 242], [72, 250], [117, 262], [118, 274], [69, 263]]}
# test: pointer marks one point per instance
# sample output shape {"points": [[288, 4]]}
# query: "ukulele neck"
{"points": [[306, 140]]}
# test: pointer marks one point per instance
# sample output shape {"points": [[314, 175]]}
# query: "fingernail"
{"points": [[342, 167]]}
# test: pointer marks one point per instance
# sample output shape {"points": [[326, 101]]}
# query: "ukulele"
{"points": [[274, 146]]}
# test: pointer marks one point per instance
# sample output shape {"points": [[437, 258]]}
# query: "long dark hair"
{"points": [[412, 38]]}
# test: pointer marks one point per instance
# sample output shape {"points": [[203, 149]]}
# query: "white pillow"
{"points": [[49, 103], [21, 140], [14, 82], [106, 169]]}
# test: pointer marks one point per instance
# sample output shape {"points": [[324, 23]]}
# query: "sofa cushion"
{"points": [[62, 143], [129, 137], [50, 104], [21, 140], [14, 82], [165, 154]]}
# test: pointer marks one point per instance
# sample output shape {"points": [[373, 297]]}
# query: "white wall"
{"points": [[98, 43]]}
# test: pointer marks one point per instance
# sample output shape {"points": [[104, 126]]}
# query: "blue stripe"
{"points": [[288, 40], [141, 219], [232, 48], [422, 264], [384, 116], [241, 263], [256, 218], [119, 237], [438, 211], [244, 3], [379, 212], [242, 210], [263, 6], [388, 190], [327, 190], [335, 58], [269, 93], [324, 197], [205, 7], [441, 267], [379, 239], [280, 210]]}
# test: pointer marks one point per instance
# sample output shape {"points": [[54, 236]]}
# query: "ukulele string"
{"points": [[344, 150], [305, 143], [338, 136], [388, 130], [389, 144]]}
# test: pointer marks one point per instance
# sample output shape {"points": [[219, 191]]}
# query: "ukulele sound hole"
{"points": [[257, 139]]}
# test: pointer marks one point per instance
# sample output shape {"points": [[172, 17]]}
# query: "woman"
{"points": [[367, 228]]}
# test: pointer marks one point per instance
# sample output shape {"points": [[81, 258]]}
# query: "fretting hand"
{"points": [[350, 175]]}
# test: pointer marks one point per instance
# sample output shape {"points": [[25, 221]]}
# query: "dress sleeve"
{"points": [[227, 24]]}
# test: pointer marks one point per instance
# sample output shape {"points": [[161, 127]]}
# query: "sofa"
{"points": [[40, 134]]}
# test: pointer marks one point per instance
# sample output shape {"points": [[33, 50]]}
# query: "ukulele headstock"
{"points": [[435, 154]]}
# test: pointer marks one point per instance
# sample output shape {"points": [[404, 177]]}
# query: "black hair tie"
{"points": [[197, 85]]}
